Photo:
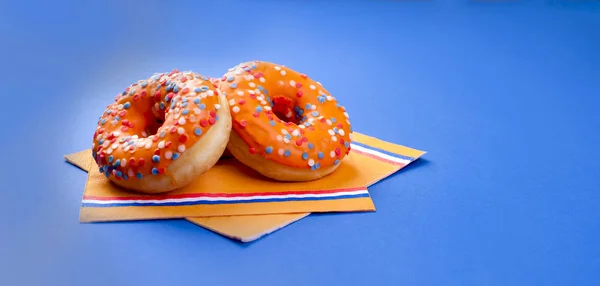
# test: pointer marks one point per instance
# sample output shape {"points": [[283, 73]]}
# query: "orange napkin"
{"points": [[370, 161]]}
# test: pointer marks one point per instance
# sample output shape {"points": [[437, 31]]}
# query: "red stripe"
{"points": [[378, 158], [212, 195]]}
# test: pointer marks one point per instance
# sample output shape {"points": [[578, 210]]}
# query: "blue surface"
{"points": [[503, 96]]}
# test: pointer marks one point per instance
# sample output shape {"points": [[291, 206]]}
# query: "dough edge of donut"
{"points": [[271, 169], [194, 162]]}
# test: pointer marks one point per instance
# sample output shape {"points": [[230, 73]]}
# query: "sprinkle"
{"points": [[253, 85], [175, 156], [139, 175], [320, 155], [202, 106], [154, 171], [341, 132], [155, 158], [330, 132], [183, 138], [292, 83], [181, 148], [161, 144], [282, 72], [333, 138], [304, 155], [204, 88], [210, 93], [168, 155], [287, 153], [212, 120], [198, 131], [185, 112], [236, 109], [310, 146], [259, 108], [197, 90], [312, 87], [233, 85], [181, 121], [180, 130], [126, 105], [230, 78], [311, 162], [110, 159], [336, 162], [332, 154], [272, 123], [269, 150], [279, 137]]}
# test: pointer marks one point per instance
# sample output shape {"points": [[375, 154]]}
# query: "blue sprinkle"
{"points": [[272, 122], [184, 105], [305, 156], [168, 82], [313, 167], [103, 121], [117, 118], [310, 146], [100, 170], [197, 89], [315, 113], [261, 88], [157, 87], [233, 85], [126, 105], [253, 66], [202, 106], [335, 130], [288, 136], [176, 89], [132, 91], [320, 155], [346, 144], [198, 131], [101, 142], [107, 174], [287, 153], [196, 100], [172, 105], [184, 99], [217, 118], [105, 168], [258, 108], [204, 88], [336, 162], [162, 105], [300, 112], [154, 171], [110, 159], [155, 158], [321, 98], [269, 149], [118, 174], [230, 79], [117, 164], [185, 112], [247, 69], [318, 165], [175, 156], [162, 134], [306, 124], [139, 175], [125, 177], [144, 83], [204, 78], [308, 106], [333, 119], [169, 88]]}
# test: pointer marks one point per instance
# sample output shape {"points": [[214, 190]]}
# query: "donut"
{"points": [[162, 132], [285, 125]]}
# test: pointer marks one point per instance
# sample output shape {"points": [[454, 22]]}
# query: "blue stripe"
{"points": [[207, 202], [384, 151]]}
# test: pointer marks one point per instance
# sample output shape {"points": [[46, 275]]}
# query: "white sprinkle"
{"points": [[210, 93], [180, 130], [116, 133], [314, 107], [332, 154], [168, 154], [333, 138], [217, 106], [177, 115], [350, 136], [109, 151], [267, 107], [330, 98], [282, 72], [296, 132], [301, 126], [280, 152], [126, 148], [346, 114], [284, 131], [319, 83], [279, 137], [148, 144], [277, 68], [193, 118], [341, 132], [236, 109], [123, 163], [232, 102], [257, 91], [281, 82], [252, 85], [197, 110], [330, 131], [311, 162], [262, 79], [263, 102], [328, 122], [312, 87], [134, 137], [240, 93], [292, 83], [285, 140], [161, 144], [181, 121], [238, 72], [181, 148], [115, 145], [311, 119], [251, 91]]}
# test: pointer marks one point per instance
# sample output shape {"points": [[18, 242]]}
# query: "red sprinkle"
{"points": [[184, 79], [243, 123], [167, 144], [252, 150], [183, 138], [141, 162], [154, 138], [337, 151], [299, 94], [122, 113], [212, 121], [203, 123], [124, 128], [143, 93], [131, 161], [185, 90], [299, 142], [213, 113], [136, 97], [304, 139], [157, 95], [298, 85], [173, 129], [255, 114], [258, 75], [157, 152], [125, 122], [241, 102], [161, 170]]}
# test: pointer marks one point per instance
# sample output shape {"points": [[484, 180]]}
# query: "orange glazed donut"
{"points": [[161, 133], [286, 126]]}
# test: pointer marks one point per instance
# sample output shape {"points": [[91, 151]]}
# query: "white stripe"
{"points": [[379, 154], [357, 192]]}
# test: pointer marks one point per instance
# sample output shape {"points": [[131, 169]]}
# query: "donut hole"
{"points": [[286, 110]]}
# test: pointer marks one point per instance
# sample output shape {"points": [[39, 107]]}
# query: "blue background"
{"points": [[504, 96]]}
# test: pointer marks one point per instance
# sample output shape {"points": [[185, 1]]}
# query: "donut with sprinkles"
{"points": [[161, 133], [285, 125]]}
